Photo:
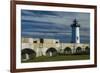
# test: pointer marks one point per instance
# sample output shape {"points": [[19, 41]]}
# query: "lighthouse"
{"points": [[75, 32]]}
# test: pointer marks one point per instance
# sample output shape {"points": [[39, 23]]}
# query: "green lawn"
{"points": [[59, 58]]}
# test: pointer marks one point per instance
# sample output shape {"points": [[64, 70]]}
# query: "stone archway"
{"points": [[27, 54], [51, 52], [78, 50], [87, 50], [67, 50]]}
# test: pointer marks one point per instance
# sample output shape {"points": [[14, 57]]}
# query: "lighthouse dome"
{"points": [[75, 23]]}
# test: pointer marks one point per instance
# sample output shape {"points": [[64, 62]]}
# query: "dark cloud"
{"points": [[54, 24]]}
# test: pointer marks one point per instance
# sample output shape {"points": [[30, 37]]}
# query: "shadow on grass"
{"points": [[58, 58]]}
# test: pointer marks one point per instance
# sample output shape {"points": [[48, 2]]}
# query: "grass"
{"points": [[58, 58]]}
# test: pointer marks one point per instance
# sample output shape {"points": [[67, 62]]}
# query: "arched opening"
{"points": [[67, 50], [78, 50], [87, 50], [51, 52], [27, 54]]}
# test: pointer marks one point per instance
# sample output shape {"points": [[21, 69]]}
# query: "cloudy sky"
{"points": [[54, 24]]}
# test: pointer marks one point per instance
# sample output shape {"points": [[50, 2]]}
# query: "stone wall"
{"points": [[41, 48]]}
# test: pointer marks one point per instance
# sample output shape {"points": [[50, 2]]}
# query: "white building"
{"points": [[49, 47]]}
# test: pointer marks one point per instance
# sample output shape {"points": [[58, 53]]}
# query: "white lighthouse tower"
{"points": [[75, 32]]}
